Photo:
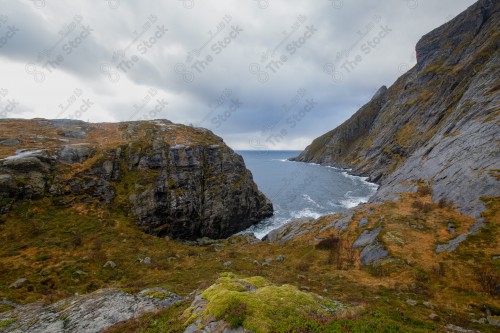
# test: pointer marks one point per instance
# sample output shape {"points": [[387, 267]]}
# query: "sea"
{"points": [[299, 189]]}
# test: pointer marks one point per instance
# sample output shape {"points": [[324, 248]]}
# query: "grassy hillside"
{"points": [[63, 251]]}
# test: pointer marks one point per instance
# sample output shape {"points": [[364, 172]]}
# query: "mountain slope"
{"points": [[437, 123]]}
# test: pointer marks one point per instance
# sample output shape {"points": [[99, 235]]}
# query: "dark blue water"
{"points": [[302, 189]]}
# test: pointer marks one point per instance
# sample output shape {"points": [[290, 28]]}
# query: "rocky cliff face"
{"points": [[437, 123], [171, 179]]}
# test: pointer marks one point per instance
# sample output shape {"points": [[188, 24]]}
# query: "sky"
{"points": [[262, 74]]}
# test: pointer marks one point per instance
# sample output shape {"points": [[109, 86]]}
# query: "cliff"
{"points": [[170, 179], [438, 123]]}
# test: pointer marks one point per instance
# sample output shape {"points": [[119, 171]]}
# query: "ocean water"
{"points": [[302, 189]]}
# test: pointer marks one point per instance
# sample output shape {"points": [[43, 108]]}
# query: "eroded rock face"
{"points": [[437, 123], [90, 313], [170, 179], [199, 192]]}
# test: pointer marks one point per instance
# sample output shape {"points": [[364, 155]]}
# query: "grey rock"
{"points": [[10, 142], [340, 224], [86, 314], [75, 154], [228, 263], [248, 238], [268, 261], [280, 258], [25, 164], [363, 222], [451, 245], [454, 328], [494, 321], [428, 305], [185, 204], [366, 237], [433, 316], [75, 134], [110, 264], [8, 185], [18, 283], [411, 302], [146, 261], [373, 253], [289, 231], [61, 122]]}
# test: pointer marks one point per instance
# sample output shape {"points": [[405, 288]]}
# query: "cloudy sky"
{"points": [[270, 74]]}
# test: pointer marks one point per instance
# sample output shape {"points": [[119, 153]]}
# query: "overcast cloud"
{"points": [[269, 74]]}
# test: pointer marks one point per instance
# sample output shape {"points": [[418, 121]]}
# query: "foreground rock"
{"points": [[85, 314], [235, 304], [172, 179], [437, 123]]}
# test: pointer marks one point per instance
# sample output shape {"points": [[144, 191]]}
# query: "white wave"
{"points": [[334, 204], [306, 212], [351, 201], [309, 199], [280, 159], [265, 227], [364, 180]]}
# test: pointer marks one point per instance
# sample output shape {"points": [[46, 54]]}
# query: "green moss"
{"points": [[256, 304], [158, 295], [4, 308], [5, 323]]}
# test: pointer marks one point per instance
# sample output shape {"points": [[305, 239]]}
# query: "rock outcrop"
{"points": [[90, 313], [437, 123], [171, 179]]}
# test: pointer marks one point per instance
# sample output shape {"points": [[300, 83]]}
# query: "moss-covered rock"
{"points": [[256, 304]]}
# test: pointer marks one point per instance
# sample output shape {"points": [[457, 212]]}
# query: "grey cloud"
{"points": [[263, 29]]}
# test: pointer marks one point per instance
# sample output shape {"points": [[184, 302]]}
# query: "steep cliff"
{"points": [[437, 123], [171, 179]]}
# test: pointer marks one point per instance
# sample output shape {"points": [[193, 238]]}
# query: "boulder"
{"points": [[74, 154], [372, 253], [366, 237], [18, 283], [10, 142]]}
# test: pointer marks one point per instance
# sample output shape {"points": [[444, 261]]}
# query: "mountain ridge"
{"points": [[417, 129]]}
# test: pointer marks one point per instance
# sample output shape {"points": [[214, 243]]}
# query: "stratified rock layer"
{"points": [[171, 179]]}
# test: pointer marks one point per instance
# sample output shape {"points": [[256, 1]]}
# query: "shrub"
{"points": [[487, 278], [443, 203], [77, 240], [328, 243], [439, 269], [303, 266], [424, 190], [236, 314], [422, 207], [334, 246]]}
